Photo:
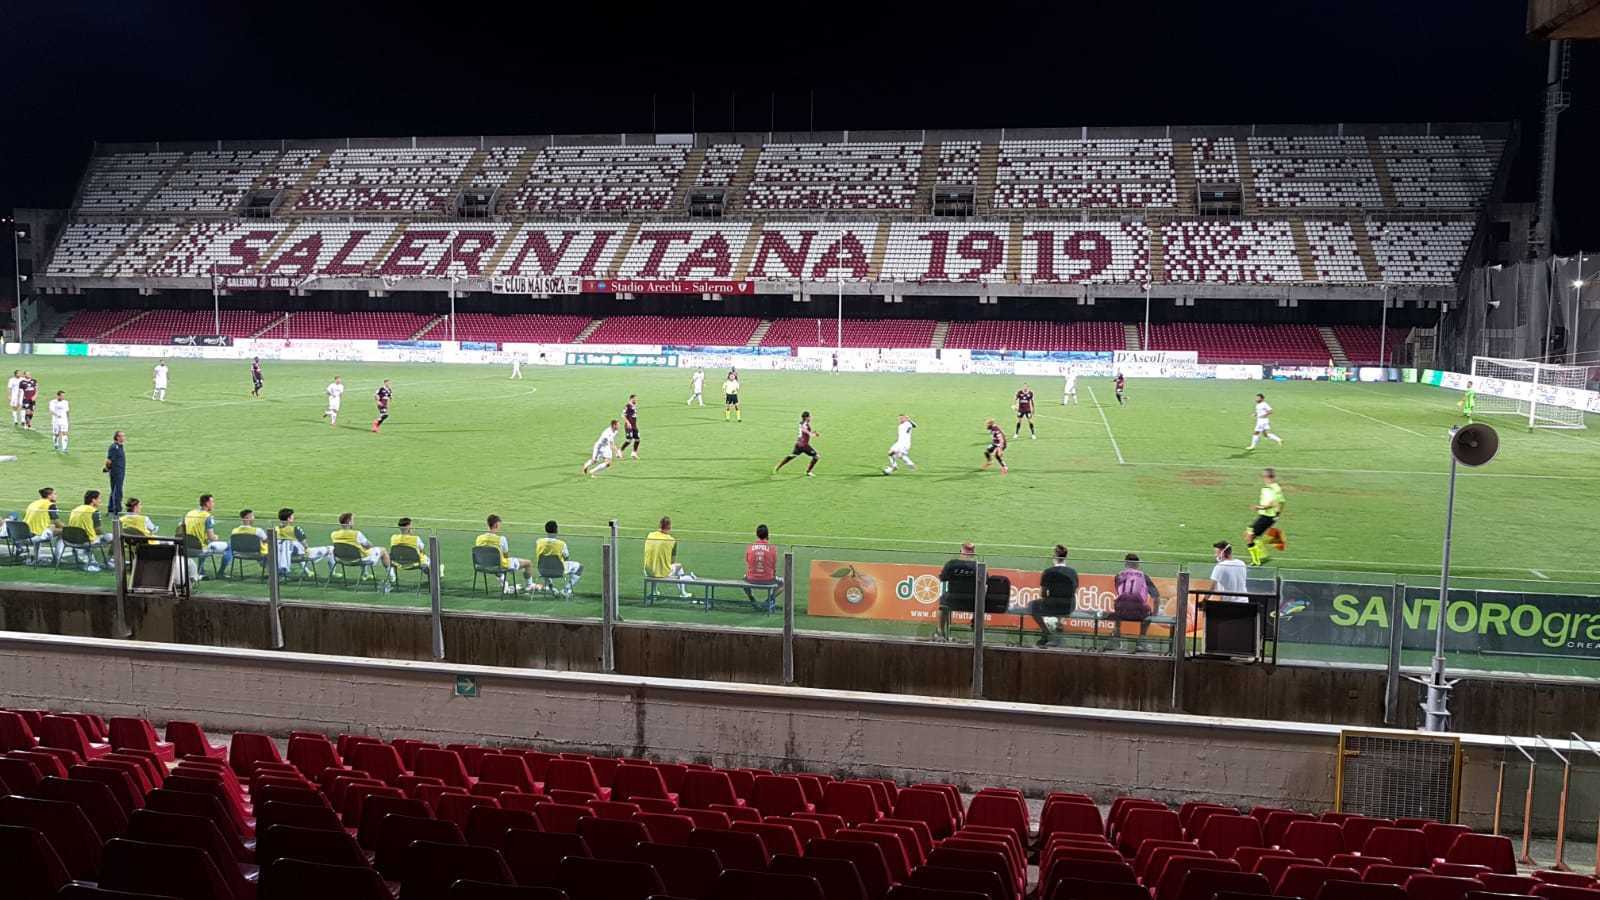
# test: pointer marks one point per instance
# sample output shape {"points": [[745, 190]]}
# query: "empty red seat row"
{"points": [[710, 331], [822, 332]]}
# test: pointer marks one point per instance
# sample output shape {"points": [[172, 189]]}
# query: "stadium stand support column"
{"points": [[271, 252], [1335, 349], [374, 264], [879, 247], [121, 325], [739, 185], [161, 182], [741, 268], [1158, 253], [940, 332], [116, 254], [760, 334], [263, 330], [1302, 249], [1014, 253], [517, 178], [1130, 337], [473, 167], [588, 329], [692, 167], [156, 258], [492, 267], [1183, 175], [988, 163], [289, 198], [927, 176], [1369, 258], [1247, 177], [1380, 169], [623, 246]]}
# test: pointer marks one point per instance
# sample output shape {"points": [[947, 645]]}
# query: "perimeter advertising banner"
{"points": [[1475, 621], [910, 593]]}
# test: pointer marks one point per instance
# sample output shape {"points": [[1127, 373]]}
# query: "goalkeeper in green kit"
{"points": [[1468, 399]]}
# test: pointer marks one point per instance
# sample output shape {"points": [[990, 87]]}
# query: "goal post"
{"points": [[1543, 395]]}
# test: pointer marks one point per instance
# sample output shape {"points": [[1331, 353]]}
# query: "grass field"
{"points": [[1363, 466]]}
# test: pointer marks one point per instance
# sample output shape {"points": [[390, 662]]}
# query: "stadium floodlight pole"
{"points": [[452, 270], [216, 303], [1549, 333], [1473, 445], [1572, 334]]}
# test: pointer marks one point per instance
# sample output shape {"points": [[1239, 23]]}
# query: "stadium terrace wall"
{"points": [[1310, 693], [966, 742]]}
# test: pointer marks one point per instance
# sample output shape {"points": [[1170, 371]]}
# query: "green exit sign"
{"points": [[466, 685]]}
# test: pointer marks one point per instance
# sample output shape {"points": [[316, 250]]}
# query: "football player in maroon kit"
{"points": [[384, 394], [802, 445], [997, 446], [1024, 407], [630, 426]]}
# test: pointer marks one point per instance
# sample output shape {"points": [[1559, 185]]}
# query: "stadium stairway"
{"points": [[50, 326], [1380, 170], [940, 331], [432, 323], [1247, 178], [588, 329], [1302, 249], [926, 176], [122, 325], [692, 168], [733, 198], [267, 328], [760, 334], [1130, 337], [1335, 349], [988, 164], [1363, 242]]}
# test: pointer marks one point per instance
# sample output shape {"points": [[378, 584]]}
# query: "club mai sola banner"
{"points": [[910, 593], [1508, 622]]}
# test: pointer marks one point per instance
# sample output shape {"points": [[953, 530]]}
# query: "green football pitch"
{"points": [[1363, 466]]}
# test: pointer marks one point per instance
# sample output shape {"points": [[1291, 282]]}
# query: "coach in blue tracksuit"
{"points": [[116, 466]]}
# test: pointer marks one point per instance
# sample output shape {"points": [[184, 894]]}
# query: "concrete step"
{"points": [[588, 330]]}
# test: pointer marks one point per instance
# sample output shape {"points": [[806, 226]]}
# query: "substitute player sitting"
{"points": [[371, 555], [600, 455], [552, 547], [292, 546], [802, 446], [1263, 423], [996, 451], [408, 537], [1024, 408], [510, 564], [900, 450]]}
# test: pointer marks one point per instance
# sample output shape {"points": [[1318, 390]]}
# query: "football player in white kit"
{"points": [[697, 384], [516, 367], [58, 421], [14, 396], [335, 391], [159, 376], [1069, 390], [900, 451], [600, 456], [1263, 423]]}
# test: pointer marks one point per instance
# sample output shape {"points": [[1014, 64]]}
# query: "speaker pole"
{"points": [[1437, 707]]}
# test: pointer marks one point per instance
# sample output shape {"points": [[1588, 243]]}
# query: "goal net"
{"points": [[1542, 394]]}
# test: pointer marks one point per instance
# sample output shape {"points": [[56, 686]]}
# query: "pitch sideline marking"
{"points": [[1540, 574], [1107, 422], [1375, 419], [188, 407]]}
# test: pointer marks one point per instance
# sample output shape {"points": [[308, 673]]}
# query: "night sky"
{"points": [[128, 69]]}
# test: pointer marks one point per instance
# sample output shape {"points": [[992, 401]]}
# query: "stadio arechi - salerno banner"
{"points": [[910, 593]]}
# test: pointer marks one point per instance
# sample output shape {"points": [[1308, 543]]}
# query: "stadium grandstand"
{"points": [[1251, 238]]}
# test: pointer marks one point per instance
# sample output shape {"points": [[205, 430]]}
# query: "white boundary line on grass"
{"points": [[1374, 419], [1107, 422], [183, 406]]}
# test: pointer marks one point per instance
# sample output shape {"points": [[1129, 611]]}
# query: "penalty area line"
{"points": [[1107, 422], [1374, 419]]}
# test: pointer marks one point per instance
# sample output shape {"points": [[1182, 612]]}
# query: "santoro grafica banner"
{"points": [[1475, 621]]}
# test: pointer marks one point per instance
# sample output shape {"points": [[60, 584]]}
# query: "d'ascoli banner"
{"points": [[910, 593]]}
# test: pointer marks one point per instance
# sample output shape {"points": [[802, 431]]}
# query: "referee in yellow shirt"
{"points": [[1265, 527]]}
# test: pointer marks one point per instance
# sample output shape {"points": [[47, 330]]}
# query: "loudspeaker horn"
{"points": [[1475, 444]]}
